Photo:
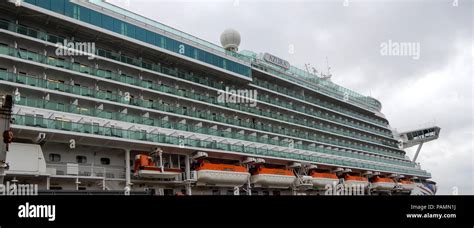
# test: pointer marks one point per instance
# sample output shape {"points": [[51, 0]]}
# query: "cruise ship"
{"points": [[99, 100]]}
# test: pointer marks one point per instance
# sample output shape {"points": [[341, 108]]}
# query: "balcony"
{"points": [[30, 121], [175, 141], [135, 81], [55, 85]]}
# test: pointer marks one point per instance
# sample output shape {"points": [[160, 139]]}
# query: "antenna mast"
{"points": [[327, 76]]}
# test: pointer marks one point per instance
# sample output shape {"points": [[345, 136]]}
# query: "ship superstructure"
{"points": [[107, 100]]}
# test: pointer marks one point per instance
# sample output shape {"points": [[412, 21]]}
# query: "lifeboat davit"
{"points": [[380, 183], [406, 185], [221, 175], [272, 178], [320, 180], [145, 167], [356, 180]]}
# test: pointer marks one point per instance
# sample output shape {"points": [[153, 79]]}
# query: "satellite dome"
{"points": [[230, 40]]}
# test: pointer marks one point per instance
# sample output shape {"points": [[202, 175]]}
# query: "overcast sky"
{"points": [[436, 88]]}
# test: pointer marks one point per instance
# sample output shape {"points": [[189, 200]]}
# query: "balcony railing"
{"points": [[85, 91], [70, 108], [79, 170], [172, 140], [150, 66]]}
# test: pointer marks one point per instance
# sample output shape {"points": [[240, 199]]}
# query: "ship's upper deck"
{"points": [[291, 73], [141, 85]]}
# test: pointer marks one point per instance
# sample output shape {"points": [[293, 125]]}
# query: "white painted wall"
{"points": [[26, 158]]}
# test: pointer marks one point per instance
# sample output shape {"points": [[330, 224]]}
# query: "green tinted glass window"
{"points": [[98, 19]]}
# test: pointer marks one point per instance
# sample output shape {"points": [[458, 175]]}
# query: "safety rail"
{"points": [[173, 140]]}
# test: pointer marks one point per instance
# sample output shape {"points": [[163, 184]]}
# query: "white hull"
{"points": [[406, 187], [221, 178], [272, 181], [383, 186], [319, 182], [364, 184]]}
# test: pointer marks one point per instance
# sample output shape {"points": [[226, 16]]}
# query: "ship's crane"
{"points": [[418, 137]]}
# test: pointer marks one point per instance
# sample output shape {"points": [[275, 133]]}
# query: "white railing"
{"points": [[74, 169]]}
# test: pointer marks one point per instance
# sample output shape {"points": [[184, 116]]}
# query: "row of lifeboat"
{"points": [[227, 175], [322, 179], [377, 182], [235, 175]]}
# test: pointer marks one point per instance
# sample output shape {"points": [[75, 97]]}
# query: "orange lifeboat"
{"points": [[224, 175], [221, 167], [356, 180], [272, 178], [380, 183], [320, 180], [145, 167], [406, 185]]}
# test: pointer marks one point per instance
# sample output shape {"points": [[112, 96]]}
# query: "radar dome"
{"points": [[230, 40]]}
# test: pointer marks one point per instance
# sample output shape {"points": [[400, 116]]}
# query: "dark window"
{"points": [[81, 159], [92, 17], [216, 192], [276, 193], [55, 188], [105, 161], [168, 192], [81, 188], [4, 24], [54, 157]]}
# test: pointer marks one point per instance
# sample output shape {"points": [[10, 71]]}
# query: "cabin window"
{"points": [[81, 159], [81, 188], [105, 161], [54, 157], [216, 192], [276, 193]]}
